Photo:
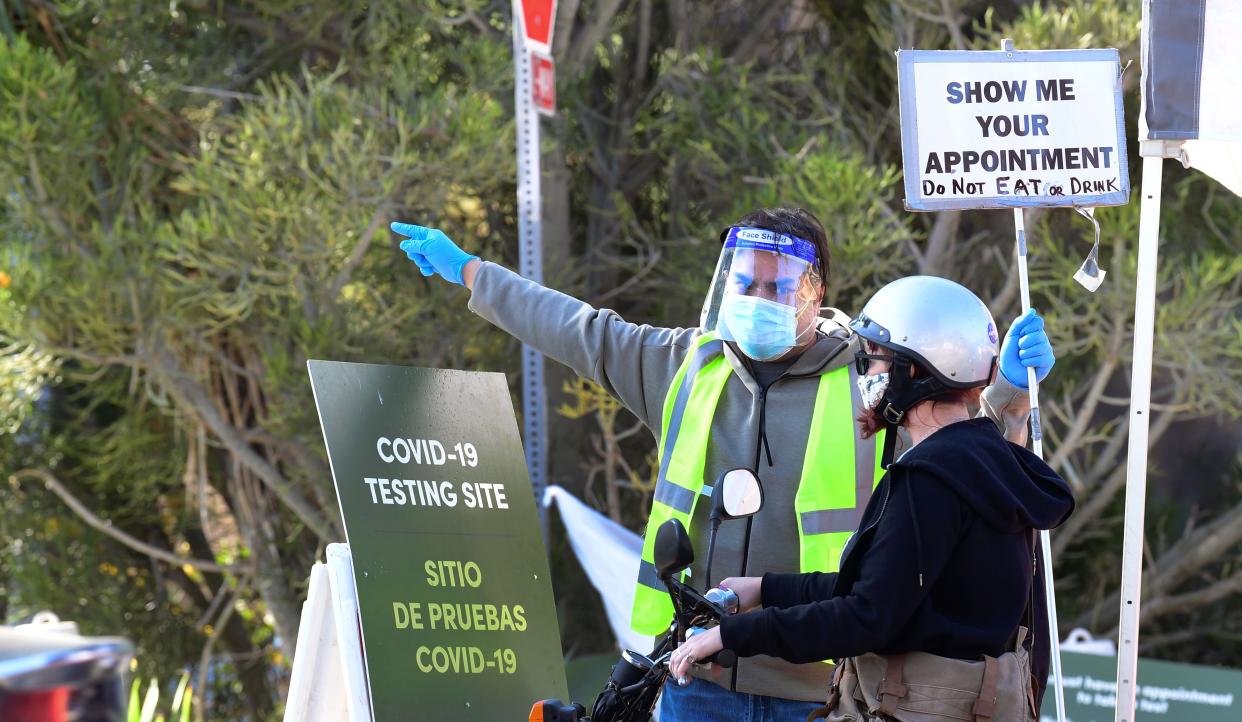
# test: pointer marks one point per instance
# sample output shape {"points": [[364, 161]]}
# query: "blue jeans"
{"points": [[703, 701]]}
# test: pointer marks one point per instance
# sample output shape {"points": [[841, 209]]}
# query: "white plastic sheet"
{"points": [[609, 553]]}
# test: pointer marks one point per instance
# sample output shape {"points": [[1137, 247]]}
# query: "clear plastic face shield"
{"points": [[765, 293]]}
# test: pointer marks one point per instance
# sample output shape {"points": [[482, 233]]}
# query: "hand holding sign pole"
{"points": [[1037, 442], [1010, 129]]}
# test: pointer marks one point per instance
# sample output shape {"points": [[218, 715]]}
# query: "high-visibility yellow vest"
{"points": [[828, 503]]}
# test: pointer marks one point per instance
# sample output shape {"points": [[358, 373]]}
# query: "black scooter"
{"points": [[636, 680]]}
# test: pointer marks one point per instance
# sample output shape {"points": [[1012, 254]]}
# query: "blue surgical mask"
{"points": [[764, 330]]}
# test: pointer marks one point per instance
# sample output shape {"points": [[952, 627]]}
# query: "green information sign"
{"points": [[1167, 692], [458, 621]]}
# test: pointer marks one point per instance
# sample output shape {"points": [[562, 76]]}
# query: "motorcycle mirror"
{"points": [[738, 494], [672, 551]]}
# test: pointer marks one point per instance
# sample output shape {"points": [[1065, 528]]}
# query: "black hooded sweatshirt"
{"points": [[942, 562]]}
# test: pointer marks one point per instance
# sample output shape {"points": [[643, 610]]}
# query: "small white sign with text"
{"points": [[1005, 129]]}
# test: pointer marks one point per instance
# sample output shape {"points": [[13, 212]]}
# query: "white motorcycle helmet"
{"points": [[939, 326]]}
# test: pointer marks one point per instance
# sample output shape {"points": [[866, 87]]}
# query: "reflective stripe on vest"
{"points": [[832, 494], [830, 498], [689, 404]]}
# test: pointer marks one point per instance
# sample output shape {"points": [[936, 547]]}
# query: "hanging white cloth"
{"points": [[1192, 99], [609, 553]]}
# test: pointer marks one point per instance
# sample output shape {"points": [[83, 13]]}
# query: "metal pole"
{"points": [[530, 255], [1037, 441], [1136, 464]]}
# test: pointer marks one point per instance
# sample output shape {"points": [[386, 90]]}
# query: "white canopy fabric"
{"points": [[609, 554], [1192, 112], [1218, 159], [1192, 94]]}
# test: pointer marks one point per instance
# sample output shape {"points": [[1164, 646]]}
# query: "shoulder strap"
{"points": [[892, 687], [985, 705]]}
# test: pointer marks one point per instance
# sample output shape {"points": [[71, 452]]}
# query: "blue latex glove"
{"points": [[433, 251], [1026, 345]]}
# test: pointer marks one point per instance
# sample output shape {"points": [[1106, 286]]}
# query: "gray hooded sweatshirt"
{"points": [[636, 365]]}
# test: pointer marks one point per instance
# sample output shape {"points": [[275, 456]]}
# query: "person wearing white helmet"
{"points": [[937, 589], [742, 387]]}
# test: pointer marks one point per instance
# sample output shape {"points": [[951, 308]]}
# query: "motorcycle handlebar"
{"points": [[713, 605], [636, 678], [725, 657], [724, 598]]}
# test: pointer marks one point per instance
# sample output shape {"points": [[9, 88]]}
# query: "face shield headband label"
{"points": [[761, 239]]}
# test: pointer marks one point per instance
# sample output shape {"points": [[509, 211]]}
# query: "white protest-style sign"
{"points": [[328, 683], [1007, 129]]}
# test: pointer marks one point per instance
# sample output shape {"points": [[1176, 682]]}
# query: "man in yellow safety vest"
{"points": [[764, 382]]}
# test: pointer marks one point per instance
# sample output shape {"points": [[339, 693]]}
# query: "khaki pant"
{"points": [[921, 687]]}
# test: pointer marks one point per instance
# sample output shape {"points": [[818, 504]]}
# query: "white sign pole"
{"points": [[1037, 441], [1136, 464], [530, 254]]}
